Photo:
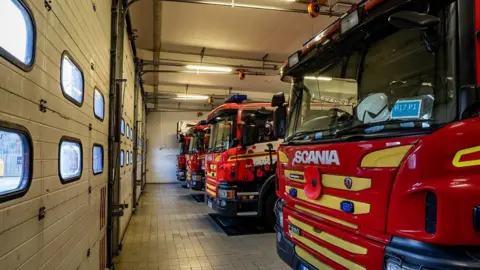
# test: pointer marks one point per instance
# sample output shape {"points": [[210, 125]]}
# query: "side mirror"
{"points": [[249, 130], [413, 20], [278, 99], [235, 142], [202, 122], [280, 121], [249, 134]]}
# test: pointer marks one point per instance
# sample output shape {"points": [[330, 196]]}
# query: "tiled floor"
{"points": [[172, 231]]}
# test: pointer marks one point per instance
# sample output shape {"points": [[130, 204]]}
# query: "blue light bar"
{"points": [[236, 98]]}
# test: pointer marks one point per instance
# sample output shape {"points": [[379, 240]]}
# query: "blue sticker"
{"points": [[405, 109], [318, 135], [374, 129], [407, 125]]}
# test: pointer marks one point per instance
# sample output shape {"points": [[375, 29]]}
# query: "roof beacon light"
{"points": [[236, 98], [349, 21]]}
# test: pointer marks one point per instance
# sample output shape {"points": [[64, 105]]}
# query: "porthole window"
{"points": [[128, 131], [17, 34], [121, 158], [97, 159], [122, 127], [70, 161], [98, 105], [71, 80], [15, 161]]}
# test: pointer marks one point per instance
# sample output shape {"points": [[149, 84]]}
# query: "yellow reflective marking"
{"points": [[337, 182], [282, 157], [327, 253], [310, 259], [250, 156], [217, 158], [345, 245], [288, 173], [385, 158], [211, 193], [332, 202], [211, 187], [336, 220], [469, 163]]}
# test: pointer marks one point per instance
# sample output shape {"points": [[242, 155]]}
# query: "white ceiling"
{"points": [[225, 32]]}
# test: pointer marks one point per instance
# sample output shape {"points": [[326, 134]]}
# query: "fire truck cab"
{"points": [[241, 160], [380, 168], [195, 157]]}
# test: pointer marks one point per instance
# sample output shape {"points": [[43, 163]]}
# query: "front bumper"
{"points": [[243, 203], [197, 181], [400, 253], [286, 252], [181, 175]]}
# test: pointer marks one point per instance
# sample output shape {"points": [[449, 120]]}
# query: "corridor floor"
{"points": [[170, 230]]}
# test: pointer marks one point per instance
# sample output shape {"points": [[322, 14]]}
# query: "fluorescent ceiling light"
{"points": [[209, 68], [190, 97], [327, 79], [203, 72]]}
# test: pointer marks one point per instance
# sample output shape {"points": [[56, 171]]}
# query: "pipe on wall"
{"points": [[248, 6]]}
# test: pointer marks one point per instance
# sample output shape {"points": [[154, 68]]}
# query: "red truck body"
{"points": [[195, 157], [400, 193], [239, 178]]}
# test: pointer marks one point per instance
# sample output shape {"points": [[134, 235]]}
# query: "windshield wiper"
{"points": [[304, 134], [365, 126]]}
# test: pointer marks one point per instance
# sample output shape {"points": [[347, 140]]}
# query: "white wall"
{"points": [[162, 126]]}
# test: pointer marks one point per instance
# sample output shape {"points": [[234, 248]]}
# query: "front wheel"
{"points": [[268, 210]]}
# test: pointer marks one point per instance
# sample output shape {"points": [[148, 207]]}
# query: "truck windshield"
{"points": [[397, 81], [221, 134]]}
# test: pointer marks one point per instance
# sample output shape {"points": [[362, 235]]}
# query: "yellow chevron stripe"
{"points": [[250, 156], [336, 220], [282, 157], [211, 193], [332, 202], [211, 187], [327, 253], [386, 158], [345, 245], [310, 259], [337, 182]]}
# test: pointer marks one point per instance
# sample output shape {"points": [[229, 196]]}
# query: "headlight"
{"points": [[224, 193], [279, 213], [280, 219], [397, 264]]}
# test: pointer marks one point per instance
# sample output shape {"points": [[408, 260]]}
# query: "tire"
{"points": [[268, 210]]}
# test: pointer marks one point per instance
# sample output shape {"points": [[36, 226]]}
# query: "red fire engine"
{"points": [[389, 177], [241, 162], [195, 156], [181, 159]]}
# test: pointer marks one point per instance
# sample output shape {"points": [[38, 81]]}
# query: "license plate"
{"points": [[210, 204], [294, 229]]}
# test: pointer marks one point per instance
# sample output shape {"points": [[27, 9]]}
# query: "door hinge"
{"points": [[41, 213], [42, 106], [48, 4]]}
